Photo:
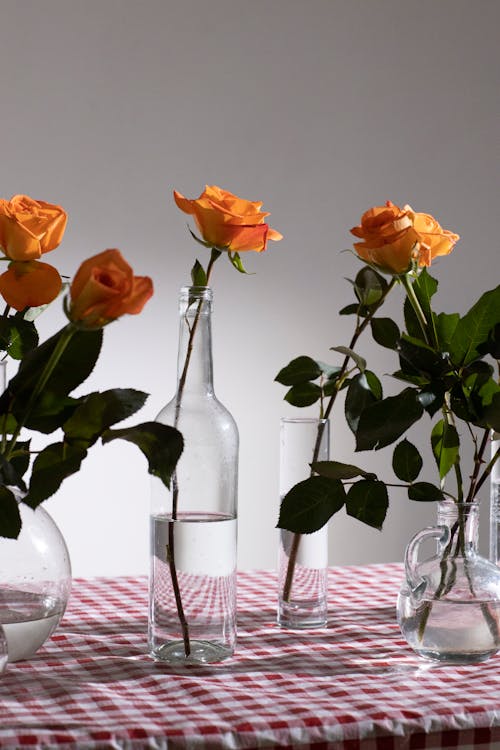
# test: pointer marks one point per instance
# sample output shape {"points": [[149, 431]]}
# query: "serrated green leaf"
{"points": [[50, 468], [445, 328], [385, 332], [337, 470], [406, 461], [299, 370], [424, 492], [310, 504], [10, 518], [367, 500], [360, 362], [445, 446], [473, 330], [363, 390], [17, 336], [161, 444], [303, 394], [369, 286], [99, 411], [385, 421]]}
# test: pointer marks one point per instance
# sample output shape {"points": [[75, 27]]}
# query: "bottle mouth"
{"points": [[198, 292]]}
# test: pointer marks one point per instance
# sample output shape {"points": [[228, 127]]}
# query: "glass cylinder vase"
{"points": [[192, 603], [302, 558], [495, 502], [449, 605]]}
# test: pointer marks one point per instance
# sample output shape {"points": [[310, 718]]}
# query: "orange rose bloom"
{"points": [[29, 284], [29, 228], [395, 238], [227, 222], [104, 288]]}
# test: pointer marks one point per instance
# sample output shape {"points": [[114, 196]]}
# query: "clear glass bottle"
{"points": [[495, 502], [449, 605], [302, 558], [192, 611]]}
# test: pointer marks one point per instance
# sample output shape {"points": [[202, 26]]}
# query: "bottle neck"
{"points": [[194, 366], [462, 519]]}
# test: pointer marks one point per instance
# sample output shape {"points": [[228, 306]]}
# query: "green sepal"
{"points": [[99, 411], [367, 500], [310, 504], [10, 518], [406, 461], [161, 444], [235, 260]]}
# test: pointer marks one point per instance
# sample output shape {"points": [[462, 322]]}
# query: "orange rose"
{"points": [[227, 222], [29, 284], [104, 288], [29, 228], [395, 238]]}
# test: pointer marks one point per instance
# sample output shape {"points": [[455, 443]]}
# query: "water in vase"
{"points": [[205, 565]]}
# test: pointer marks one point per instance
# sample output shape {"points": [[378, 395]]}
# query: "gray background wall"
{"points": [[319, 108]]}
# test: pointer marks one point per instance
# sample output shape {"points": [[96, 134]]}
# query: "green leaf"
{"points": [[17, 336], [299, 370], [51, 412], [235, 261], [353, 309], [445, 446], [421, 358], [385, 332], [310, 504], [303, 394], [337, 470], [74, 366], [424, 286], [369, 286], [367, 501], [432, 396], [10, 518], [491, 415], [50, 468], [406, 461], [385, 421], [473, 330], [424, 492], [364, 389], [99, 411], [161, 444], [360, 362], [445, 329], [198, 275]]}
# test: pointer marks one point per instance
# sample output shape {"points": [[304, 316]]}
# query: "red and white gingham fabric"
{"points": [[352, 686]]}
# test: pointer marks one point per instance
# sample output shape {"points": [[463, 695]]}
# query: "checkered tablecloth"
{"points": [[353, 686]]}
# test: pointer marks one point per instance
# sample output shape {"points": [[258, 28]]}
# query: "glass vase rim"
{"points": [[304, 420], [201, 291]]}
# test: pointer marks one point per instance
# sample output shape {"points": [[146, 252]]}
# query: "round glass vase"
{"points": [[192, 592], [35, 582], [302, 558], [449, 605]]}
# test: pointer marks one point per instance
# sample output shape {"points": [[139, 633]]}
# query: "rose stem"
{"points": [[175, 486], [292, 559]]}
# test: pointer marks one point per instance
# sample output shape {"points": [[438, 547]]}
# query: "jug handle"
{"points": [[416, 582]]}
